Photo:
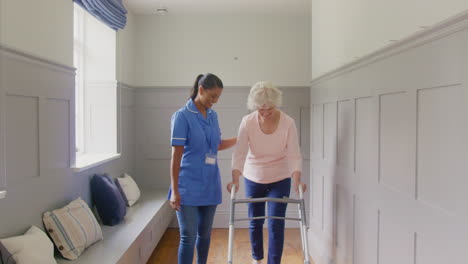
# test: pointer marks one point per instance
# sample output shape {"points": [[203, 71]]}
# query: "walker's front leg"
{"points": [[231, 238], [304, 237], [231, 223]]}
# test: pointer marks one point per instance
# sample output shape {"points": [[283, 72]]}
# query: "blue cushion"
{"points": [[108, 200]]}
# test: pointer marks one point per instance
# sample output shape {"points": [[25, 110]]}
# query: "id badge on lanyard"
{"points": [[210, 158]]}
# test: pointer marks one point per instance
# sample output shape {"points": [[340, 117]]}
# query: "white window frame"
{"points": [[78, 61], [88, 152]]}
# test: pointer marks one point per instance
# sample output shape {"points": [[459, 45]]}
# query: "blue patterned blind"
{"points": [[111, 12]]}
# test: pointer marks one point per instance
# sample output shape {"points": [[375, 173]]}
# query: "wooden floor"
{"points": [[166, 251]]}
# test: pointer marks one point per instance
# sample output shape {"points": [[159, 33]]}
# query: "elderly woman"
{"points": [[268, 156]]}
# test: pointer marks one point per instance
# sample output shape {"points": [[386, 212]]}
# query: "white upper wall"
{"points": [[42, 28], [171, 50], [45, 29], [343, 30], [224, 7], [125, 52]]}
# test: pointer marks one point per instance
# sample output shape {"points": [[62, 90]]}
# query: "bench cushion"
{"points": [[129, 188], [32, 247], [73, 228], [108, 200]]}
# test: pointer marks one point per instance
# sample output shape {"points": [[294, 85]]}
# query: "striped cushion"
{"points": [[73, 228]]}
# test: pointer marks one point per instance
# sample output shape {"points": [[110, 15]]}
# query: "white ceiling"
{"points": [[220, 6]]}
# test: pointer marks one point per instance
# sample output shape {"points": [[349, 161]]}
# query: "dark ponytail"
{"points": [[208, 81], [194, 91]]}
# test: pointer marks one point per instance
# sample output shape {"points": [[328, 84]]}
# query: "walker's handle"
{"points": [[301, 192], [233, 191]]}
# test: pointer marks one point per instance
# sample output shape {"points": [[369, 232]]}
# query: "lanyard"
{"points": [[208, 131]]}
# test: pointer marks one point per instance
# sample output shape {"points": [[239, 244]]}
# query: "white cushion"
{"points": [[32, 247], [130, 189]]}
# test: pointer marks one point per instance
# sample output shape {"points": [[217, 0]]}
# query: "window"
{"points": [[78, 57], [94, 57]]}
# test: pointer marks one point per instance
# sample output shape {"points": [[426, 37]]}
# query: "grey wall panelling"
{"points": [[37, 140], [394, 185]]}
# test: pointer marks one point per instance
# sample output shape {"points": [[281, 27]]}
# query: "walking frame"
{"points": [[301, 219]]}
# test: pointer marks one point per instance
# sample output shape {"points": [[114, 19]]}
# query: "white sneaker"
{"points": [[256, 261]]}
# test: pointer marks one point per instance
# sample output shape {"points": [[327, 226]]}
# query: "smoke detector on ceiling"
{"points": [[161, 11]]}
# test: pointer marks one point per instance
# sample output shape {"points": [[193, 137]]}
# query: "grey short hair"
{"points": [[264, 93]]}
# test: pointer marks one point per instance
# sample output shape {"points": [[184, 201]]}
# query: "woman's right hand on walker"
{"points": [[229, 186], [175, 201]]}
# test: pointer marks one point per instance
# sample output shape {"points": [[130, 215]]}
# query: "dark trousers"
{"points": [[278, 189]]}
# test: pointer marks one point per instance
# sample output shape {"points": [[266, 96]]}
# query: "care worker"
{"points": [[195, 179]]}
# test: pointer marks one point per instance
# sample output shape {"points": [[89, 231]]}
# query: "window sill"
{"points": [[90, 160], [2, 194]]}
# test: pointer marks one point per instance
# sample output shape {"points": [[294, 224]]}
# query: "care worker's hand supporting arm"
{"points": [[176, 157], [227, 143]]}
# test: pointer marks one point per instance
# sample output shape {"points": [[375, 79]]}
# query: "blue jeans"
{"points": [[195, 224], [278, 189]]}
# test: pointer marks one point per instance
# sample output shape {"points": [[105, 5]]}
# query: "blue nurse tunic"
{"points": [[199, 181]]}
